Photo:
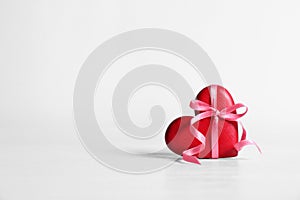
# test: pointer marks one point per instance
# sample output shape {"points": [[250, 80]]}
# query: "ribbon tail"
{"points": [[191, 159], [189, 155], [244, 142], [238, 146]]}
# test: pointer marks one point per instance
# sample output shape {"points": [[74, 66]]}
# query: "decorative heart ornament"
{"points": [[213, 131]]}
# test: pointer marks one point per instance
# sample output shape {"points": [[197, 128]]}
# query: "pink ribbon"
{"points": [[190, 155]]}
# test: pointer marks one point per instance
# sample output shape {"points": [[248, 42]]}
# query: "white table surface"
{"points": [[67, 171]]}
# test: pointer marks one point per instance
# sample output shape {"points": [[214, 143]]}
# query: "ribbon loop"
{"points": [[198, 105]]}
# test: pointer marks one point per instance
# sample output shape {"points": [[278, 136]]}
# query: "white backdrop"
{"points": [[254, 45]]}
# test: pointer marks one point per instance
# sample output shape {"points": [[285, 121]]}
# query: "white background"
{"points": [[254, 45]]}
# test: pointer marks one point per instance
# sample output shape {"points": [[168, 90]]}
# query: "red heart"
{"points": [[179, 138]]}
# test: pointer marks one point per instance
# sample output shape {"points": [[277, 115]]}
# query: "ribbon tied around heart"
{"points": [[206, 111]]}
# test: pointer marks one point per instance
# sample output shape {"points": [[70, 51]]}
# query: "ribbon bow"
{"points": [[209, 111]]}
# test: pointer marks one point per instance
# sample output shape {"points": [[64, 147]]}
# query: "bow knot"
{"points": [[217, 113]]}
